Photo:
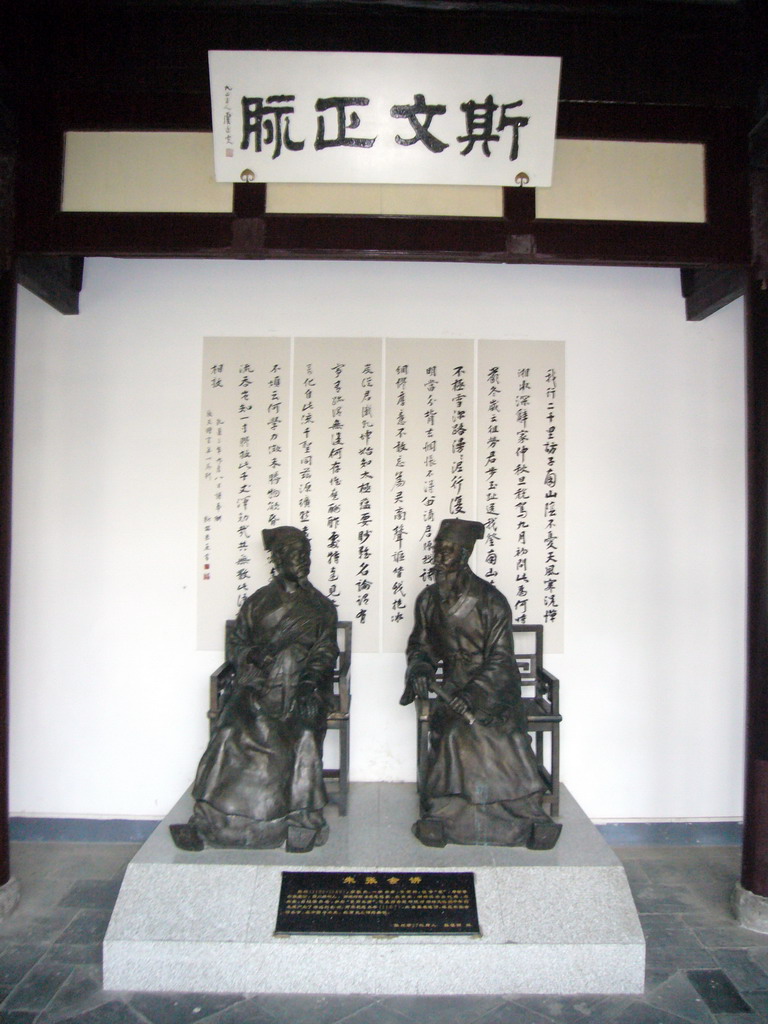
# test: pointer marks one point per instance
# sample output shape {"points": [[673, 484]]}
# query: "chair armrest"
{"points": [[341, 675], [221, 683], [345, 659], [548, 687]]}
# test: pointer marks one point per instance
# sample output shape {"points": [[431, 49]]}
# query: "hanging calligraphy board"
{"points": [[395, 118]]}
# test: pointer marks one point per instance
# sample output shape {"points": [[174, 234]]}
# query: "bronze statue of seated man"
{"points": [[481, 786], [260, 781]]}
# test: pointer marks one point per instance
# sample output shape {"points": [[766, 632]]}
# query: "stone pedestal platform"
{"points": [[560, 921]]}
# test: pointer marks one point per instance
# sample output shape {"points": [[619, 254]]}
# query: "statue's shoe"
{"points": [[429, 831], [544, 835], [300, 840], [186, 837]]}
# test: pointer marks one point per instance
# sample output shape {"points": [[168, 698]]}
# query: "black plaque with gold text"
{"points": [[392, 903]]}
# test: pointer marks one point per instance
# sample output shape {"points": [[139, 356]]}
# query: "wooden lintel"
{"points": [[56, 280], [708, 289]]}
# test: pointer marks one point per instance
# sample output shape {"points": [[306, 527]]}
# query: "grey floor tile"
{"points": [[718, 991], [641, 1012], [80, 992], [247, 1011], [441, 1009], [669, 931], [567, 1009], [759, 1004], [44, 926], [86, 926], [312, 1009], [180, 1007], [665, 898], [92, 893], [760, 956], [46, 895], [728, 936], [16, 961], [38, 987], [96, 860], [678, 996], [741, 968], [113, 1012], [82, 953], [661, 964], [379, 1012], [513, 1013], [741, 1018]]}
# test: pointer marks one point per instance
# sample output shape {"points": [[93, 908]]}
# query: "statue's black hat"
{"points": [[461, 531], [281, 533]]}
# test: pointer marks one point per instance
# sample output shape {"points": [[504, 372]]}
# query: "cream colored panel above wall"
{"points": [[640, 181], [387, 200], [142, 172]]}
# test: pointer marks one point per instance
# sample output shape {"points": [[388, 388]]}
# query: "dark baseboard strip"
{"points": [[672, 833], [81, 830], [621, 833]]}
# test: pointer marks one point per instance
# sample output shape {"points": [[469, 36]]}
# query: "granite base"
{"points": [[560, 921]]}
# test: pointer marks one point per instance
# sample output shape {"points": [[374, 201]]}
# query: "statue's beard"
{"points": [[447, 580]]}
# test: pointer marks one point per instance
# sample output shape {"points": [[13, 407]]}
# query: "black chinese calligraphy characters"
{"points": [[259, 783], [266, 124], [344, 122], [480, 128], [480, 784], [412, 111]]}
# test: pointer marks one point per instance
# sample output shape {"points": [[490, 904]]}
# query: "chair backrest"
{"points": [[529, 642]]}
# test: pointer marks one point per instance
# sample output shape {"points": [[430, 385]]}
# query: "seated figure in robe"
{"points": [[481, 786], [260, 781]]}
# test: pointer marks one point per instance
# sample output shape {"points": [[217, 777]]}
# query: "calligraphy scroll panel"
{"points": [[368, 444], [336, 459], [429, 466], [520, 479], [245, 476]]}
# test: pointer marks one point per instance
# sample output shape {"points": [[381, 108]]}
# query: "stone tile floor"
{"points": [[702, 968]]}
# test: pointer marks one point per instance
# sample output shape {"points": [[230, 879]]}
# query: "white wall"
{"points": [[108, 693]]}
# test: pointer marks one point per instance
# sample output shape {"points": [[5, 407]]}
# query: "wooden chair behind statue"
{"points": [[338, 718], [541, 697]]}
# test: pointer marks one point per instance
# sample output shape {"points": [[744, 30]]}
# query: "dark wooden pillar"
{"points": [[9, 893], [754, 878], [751, 898], [7, 344]]}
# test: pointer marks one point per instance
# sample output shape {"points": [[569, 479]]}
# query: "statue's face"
{"points": [[450, 557], [291, 559]]}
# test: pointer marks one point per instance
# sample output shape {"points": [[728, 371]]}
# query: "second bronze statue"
{"points": [[481, 785], [260, 781]]}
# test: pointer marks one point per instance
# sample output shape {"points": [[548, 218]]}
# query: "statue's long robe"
{"points": [[481, 780], [262, 771]]}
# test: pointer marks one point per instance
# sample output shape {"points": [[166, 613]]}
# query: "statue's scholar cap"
{"points": [[461, 531]]}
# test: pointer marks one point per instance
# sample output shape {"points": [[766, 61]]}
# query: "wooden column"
{"points": [[751, 898], [7, 344], [9, 890], [754, 878]]}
